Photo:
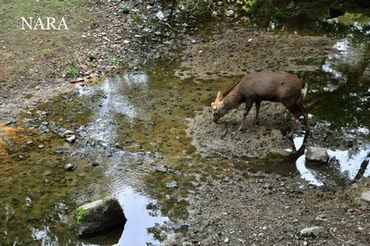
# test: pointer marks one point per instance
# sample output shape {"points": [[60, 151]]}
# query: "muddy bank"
{"points": [[253, 141], [239, 50]]}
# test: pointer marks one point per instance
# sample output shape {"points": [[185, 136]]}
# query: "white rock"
{"points": [[365, 196], [311, 231], [317, 154], [230, 13], [71, 139]]}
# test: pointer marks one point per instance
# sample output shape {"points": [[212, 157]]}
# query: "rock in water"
{"points": [[99, 216], [317, 154]]}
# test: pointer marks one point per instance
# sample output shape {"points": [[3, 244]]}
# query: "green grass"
{"points": [[72, 71]]}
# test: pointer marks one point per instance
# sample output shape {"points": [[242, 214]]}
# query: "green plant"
{"points": [[245, 5], [125, 9], [73, 71], [80, 214]]}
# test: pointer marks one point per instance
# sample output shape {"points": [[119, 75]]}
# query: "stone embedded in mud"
{"points": [[317, 154], [365, 196], [313, 231], [99, 216], [172, 184], [69, 167]]}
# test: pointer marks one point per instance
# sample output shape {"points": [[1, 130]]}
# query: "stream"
{"points": [[132, 144]]}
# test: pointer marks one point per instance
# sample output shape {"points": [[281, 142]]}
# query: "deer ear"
{"points": [[219, 95]]}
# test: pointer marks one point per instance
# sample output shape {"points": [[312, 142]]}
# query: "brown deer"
{"points": [[263, 86]]}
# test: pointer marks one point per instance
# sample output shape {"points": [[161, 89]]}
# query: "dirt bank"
{"points": [[253, 141]]}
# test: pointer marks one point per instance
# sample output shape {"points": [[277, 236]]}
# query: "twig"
{"points": [[169, 26]]}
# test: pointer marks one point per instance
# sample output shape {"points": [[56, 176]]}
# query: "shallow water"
{"points": [[134, 126]]}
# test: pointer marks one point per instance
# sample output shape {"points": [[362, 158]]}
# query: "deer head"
{"points": [[217, 107]]}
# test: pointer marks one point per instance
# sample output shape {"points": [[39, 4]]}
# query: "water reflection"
{"points": [[139, 218], [114, 105]]}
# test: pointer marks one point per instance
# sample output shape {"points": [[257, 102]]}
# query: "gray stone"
{"points": [[172, 184], [317, 154], [99, 216], [313, 231], [365, 196]]}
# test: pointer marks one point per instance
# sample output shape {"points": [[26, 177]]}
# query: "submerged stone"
{"points": [[99, 216]]}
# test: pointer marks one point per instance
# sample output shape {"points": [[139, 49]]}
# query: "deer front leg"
{"points": [[295, 122], [258, 105], [248, 106]]}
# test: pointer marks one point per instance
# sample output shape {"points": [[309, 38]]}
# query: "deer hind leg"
{"points": [[258, 106], [303, 112], [248, 106]]}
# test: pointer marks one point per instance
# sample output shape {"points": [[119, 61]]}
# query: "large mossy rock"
{"points": [[99, 216]]}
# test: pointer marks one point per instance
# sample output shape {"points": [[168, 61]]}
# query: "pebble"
{"points": [[69, 167], [172, 184], [41, 146], [230, 13], [95, 163], [67, 133], [71, 139]]}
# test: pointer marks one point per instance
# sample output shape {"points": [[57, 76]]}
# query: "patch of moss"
{"points": [[80, 214], [125, 9]]}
